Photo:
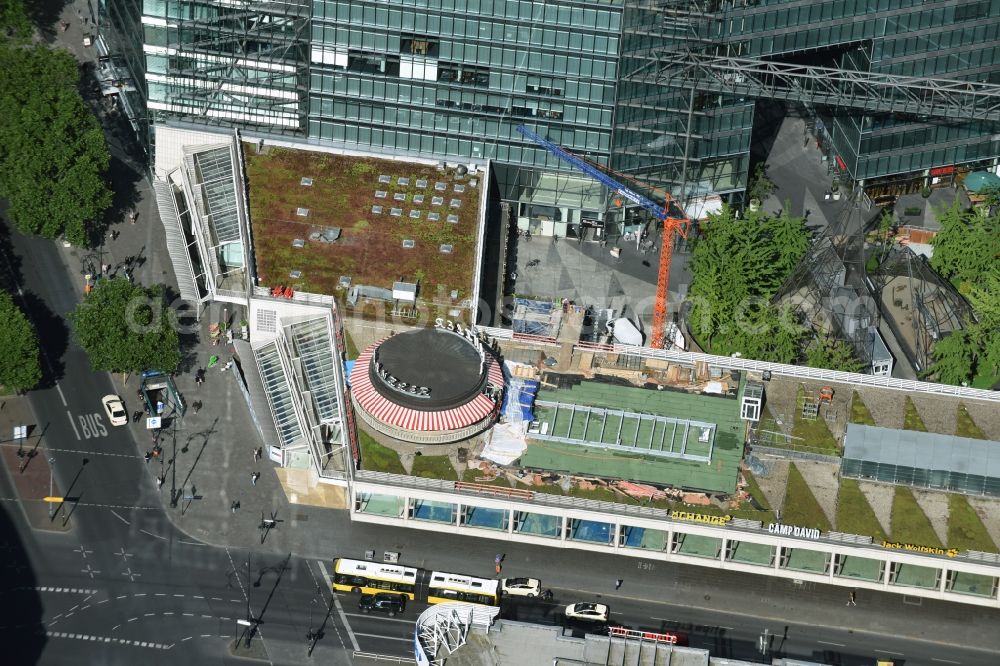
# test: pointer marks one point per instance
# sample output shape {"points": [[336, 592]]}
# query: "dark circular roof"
{"points": [[445, 363]]}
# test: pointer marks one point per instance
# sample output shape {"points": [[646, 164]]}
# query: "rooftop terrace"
{"points": [[668, 437], [397, 220]]}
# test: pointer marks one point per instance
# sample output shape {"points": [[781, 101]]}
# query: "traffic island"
{"points": [[30, 476]]}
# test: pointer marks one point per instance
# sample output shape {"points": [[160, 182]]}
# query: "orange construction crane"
{"points": [[672, 223]]}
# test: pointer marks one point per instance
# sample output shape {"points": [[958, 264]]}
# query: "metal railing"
{"points": [[779, 369], [388, 658]]}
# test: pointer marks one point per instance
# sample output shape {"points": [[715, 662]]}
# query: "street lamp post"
{"points": [[52, 462]]}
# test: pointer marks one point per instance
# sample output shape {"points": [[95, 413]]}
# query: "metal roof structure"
{"points": [[217, 191], [922, 450]]}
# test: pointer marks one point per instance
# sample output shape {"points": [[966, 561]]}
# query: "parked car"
{"points": [[588, 612], [383, 602], [115, 408], [521, 587]]}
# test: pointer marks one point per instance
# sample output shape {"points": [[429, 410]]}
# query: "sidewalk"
{"points": [[29, 472]]}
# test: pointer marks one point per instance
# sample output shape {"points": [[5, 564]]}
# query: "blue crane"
{"points": [[658, 210], [671, 224]]}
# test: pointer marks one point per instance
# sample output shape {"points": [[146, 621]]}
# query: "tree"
{"points": [[14, 22], [954, 358], [825, 351], [761, 185], [765, 332], [52, 150], [127, 328], [738, 265], [967, 246], [20, 367]]}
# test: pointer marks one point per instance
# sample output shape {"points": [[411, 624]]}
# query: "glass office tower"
{"points": [[452, 79]]}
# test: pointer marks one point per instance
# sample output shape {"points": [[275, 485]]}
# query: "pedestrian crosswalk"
{"points": [[108, 639]]}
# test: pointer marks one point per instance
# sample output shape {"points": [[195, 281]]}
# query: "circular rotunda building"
{"points": [[428, 386]]}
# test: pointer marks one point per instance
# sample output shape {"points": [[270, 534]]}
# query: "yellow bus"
{"points": [[373, 577], [444, 587]]}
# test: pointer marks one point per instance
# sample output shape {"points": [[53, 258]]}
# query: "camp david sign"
{"points": [[793, 531]]}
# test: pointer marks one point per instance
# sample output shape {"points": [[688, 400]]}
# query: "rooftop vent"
{"points": [[306, 181], [418, 198], [446, 248], [328, 235], [344, 282], [295, 275], [399, 196], [440, 187], [381, 194], [403, 182], [459, 188], [396, 212], [422, 183], [415, 214], [433, 217], [302, 212], [377, 210], [462, 170], [473, 182], [437, 201], [409, 244], [299, 242], [384, 179], [455, 203], [453, 219]]}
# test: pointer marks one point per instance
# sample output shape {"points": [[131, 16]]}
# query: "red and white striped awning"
{"points": [[400, 416]]}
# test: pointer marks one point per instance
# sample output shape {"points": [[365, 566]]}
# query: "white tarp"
{"points": [[626, 333], [700, 207], [506, 443]]}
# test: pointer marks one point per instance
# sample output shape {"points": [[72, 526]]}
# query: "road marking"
{"points": [[197, 597], [186, 639], [829, 643], [107, 639], [149, 614], [336, 603], [386, 638], [154, 535], [62, 397], [115, 628], [70, 417], [103, 601], [139, 594], [216, 599], [133, 619], [380, 618], [179, 595], [188, 614], [946, 661], [168, 612], [122, 597], [161, 594], [897, 654]]}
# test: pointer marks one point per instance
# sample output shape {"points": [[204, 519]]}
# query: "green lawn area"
{"points": [[756, 492], [434, 467], [965, 529], [470, 475], [859, 411], [378, 458], [966, 427], [854, 514], [909, 523], [912, 420], [801, 507], [352, 349], [813, 435]]}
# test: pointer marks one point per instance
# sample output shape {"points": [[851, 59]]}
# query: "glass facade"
{"points": [[453, 80], [938, 479]]}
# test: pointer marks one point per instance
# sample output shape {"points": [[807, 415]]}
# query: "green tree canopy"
{"points": [[15, 24], [967, 246], [737, 266], [53, 156], [828, 352], [127, 328], [20, 367]]}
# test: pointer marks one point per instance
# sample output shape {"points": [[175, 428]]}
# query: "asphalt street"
{"points": [[122, 584]]}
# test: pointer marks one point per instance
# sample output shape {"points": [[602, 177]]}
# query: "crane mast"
{"points": [[671, 225]]}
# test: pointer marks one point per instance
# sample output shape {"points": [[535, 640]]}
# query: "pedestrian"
{"points": [[159, 482], [547, 595], [196, 405], [235, 504], [618, 583], [253, 477], [148, 456], [852, 601], [499, 568]]}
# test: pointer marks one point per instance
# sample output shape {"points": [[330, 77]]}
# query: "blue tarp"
{"points": [[348, 366]]}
